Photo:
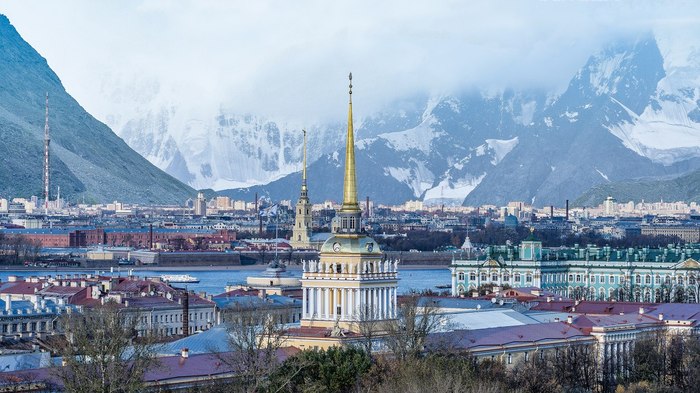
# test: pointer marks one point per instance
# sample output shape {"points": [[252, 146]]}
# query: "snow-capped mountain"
{"points": [[632, 111], [211, 147]]}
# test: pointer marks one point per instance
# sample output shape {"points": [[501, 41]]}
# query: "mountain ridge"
{"points": [[88, 161]]}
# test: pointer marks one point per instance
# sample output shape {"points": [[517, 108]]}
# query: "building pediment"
{"points": [[491, 263], [689, 263]]}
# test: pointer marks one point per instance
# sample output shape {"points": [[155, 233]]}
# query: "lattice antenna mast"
{"points": [[47, 140]]}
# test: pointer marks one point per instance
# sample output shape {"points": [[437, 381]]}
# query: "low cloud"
{"points": [[291, 59]]}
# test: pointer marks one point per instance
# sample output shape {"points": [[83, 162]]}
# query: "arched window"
{"points": [[647, 279], [494, 276], [483, 276], [472, 276], [528, 278], [516, 277], [460, 276]]}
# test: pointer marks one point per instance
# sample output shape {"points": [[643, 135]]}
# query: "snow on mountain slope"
{"points": [[668, 130], [501, 148], [452, 192], [418, 138]]}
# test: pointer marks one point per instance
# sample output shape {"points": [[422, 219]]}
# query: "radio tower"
{"points": [[47, 139]]}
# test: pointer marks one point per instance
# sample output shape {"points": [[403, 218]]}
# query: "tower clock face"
{"points": [[370, 247], [336, 247]]}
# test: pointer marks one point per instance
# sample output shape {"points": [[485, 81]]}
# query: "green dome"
{"points": [[351, 245]]}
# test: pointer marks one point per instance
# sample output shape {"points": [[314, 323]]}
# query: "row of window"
{"points": [[28, 327], [209, 316], [612, 279], [601, 279], [494, 277]]}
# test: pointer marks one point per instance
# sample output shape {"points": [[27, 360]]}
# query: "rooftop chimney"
{"points": [[185, 353], [569, 319], [661, 316], [641, 310]]}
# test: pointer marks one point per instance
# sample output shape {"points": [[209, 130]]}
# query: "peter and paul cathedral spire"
{"points": [[303, 219], [304, 189]]}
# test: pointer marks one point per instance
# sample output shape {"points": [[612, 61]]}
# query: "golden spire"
{"points": [[350, 185], [303, 173]]}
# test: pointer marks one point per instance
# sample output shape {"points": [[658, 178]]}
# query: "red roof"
{"points": [[470, 339], [591, 307], [175, 369], [588, 322], [19, 288]]}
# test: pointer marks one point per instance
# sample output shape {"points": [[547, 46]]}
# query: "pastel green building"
{"points": [[667, 274]]}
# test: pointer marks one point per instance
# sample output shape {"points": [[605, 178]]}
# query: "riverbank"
{"points": [[126, 268]]}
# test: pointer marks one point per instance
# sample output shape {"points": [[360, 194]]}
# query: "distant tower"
{"points": [[301, 234], [200, 205], [47, 140]]}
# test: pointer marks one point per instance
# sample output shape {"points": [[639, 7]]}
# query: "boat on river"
{"points": [[179, 279]]}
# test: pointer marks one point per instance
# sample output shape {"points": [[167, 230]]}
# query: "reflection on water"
{"points": [[214, 281]]}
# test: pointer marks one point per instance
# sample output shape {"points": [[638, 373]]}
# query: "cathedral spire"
{"points": [[303, 173], [350, 184], [304, 188]]}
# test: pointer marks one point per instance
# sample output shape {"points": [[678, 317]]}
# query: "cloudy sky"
{"points": [[291, 58]]}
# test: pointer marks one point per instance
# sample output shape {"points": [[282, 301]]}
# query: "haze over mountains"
{"points": [[630, 115], [630, 112], [88, 161]]}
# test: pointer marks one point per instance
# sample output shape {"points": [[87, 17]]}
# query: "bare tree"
{"points": [[367, 326], [103, 352], [254, 336], [417, 318]]}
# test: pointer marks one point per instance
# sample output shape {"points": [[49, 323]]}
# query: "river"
{"points": [[214, 281]]}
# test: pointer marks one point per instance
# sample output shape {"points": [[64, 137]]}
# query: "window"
{"points": [[460, 276], [592, 279], [506, 277], [578, 278], [637, 279], [571, 277], [472, 276], [612, 279], [647, 279], [483, 276], [528, 278], [510, 359], [601, 279], [527, 356], [657, 279], [517, 278], [494, 276]]}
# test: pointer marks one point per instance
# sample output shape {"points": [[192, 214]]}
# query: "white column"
{"points": [[304, 300], [356, 308], [384, 297], [376, 302], [326, 302], [343, 299]]}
